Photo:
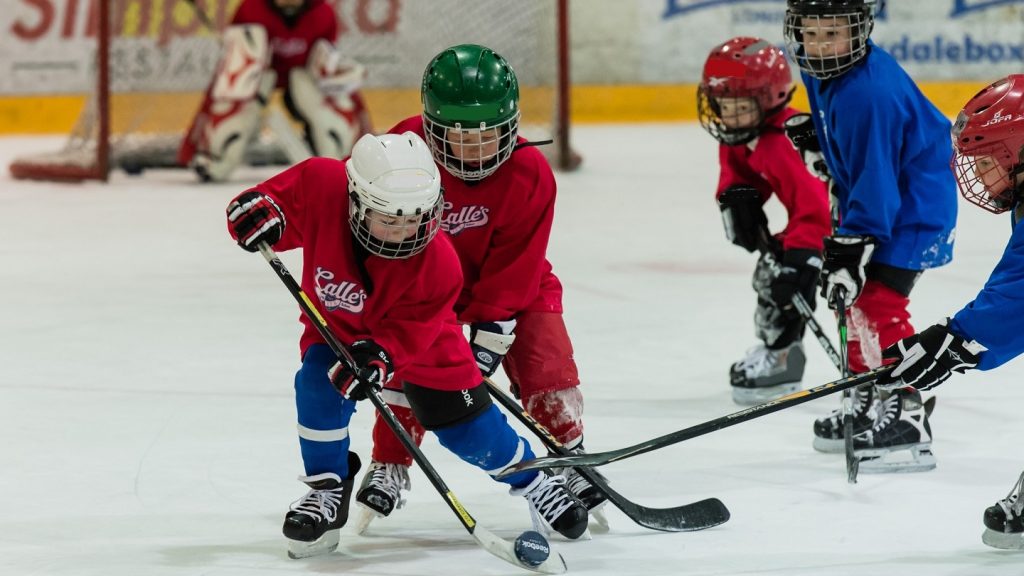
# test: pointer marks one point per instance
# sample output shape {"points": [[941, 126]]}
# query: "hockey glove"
{"points": [[928, 358], [798, 274], [373, 370], [490, 341], [743, 217], [253, 218], [846, 256], [804, 137]]}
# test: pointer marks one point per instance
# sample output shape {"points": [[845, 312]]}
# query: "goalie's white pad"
{"points": [[230, 115], [324, 95]]}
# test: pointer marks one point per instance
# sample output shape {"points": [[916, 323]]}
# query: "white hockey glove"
{"points": [[490, 341], [929, 357], [846, 257]]}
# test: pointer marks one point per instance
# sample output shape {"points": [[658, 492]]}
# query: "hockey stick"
{"points": [[686, 518], [503, 549], [602, 458], [201, 16], [852, 463]]}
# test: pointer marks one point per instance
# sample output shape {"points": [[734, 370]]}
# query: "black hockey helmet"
{"points": [[827, 38]]}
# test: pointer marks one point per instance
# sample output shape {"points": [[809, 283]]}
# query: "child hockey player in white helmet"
{"points": [[385, 282], [742, 101]]}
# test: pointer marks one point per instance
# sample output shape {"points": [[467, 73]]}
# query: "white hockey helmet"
{"points": [[395, 196]]}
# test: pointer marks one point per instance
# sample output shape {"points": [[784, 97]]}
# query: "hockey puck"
{"points": [[532, 548]]}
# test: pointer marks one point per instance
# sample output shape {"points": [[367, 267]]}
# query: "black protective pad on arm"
{"points": [[443, 408]]}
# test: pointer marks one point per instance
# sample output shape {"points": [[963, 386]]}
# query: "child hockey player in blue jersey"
{"points": [[887, 150], [986, 333]]}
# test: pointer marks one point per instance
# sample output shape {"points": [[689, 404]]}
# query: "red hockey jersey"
{"points": [[500, 228], [405, 305], [773, 165], [290, 44]]}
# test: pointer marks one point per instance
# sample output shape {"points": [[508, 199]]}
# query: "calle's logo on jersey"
{"points": [[466, 217], [346, 295]]}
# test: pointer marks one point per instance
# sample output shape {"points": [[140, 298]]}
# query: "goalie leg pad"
{"points": [[332, 121], [231, 110]]}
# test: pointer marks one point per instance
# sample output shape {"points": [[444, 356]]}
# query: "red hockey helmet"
{"points": [[742, 68], [988, 140]]}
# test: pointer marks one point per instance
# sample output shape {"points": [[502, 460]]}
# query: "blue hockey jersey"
{"points": [[888, 149], [993, 318]]}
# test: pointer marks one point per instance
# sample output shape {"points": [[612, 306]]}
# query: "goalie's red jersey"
{"points": [[290, 44], [500, 228], [405, 305]]}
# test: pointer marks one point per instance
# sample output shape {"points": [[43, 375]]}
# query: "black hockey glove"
{"points": [[928, 358], [799, 272], [743, 216], [490, 342], [253, 218], [846, 256], [802, 134], [373, 370]]}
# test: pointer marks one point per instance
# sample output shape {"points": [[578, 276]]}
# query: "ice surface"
{"points": [[147, 418]]}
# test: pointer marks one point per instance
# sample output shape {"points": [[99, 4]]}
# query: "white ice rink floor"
{"points": [[146, 408]]}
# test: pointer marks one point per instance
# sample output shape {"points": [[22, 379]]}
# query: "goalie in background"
{"points": [[286, 44], [742, 101]]}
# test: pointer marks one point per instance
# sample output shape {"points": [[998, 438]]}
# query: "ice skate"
{"points": [[553, 507], [767, 374], [381, 492], [828, 431], [1004, 525], [313, 522], [588, 494], [900, 440]]}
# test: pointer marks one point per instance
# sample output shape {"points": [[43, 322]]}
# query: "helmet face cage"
{"points": [[826, 43], [393, 236], [737, 122], [471, 151], [983, 178]]}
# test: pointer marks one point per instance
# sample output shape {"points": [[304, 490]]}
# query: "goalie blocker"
{"points": [[323, 95]]}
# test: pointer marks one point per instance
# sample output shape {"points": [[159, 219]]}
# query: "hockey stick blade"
{"points": [[686, 518], [555, 564], [602, 458]]}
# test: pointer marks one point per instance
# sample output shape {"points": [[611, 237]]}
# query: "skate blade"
{"points": [[1002, 540], [762, 394], [897, 459], [598, 521], [829, 446], [326, 544], [366, 517]]}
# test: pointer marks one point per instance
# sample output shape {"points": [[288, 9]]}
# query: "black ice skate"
{"points": [[767, 374], [1004, 525], [900, 440], [828, 431], [312, 524], [381, 492], [552, 506]]}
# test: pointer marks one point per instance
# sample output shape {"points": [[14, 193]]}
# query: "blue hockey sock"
{"points": [[323, 415], [489, 443]]}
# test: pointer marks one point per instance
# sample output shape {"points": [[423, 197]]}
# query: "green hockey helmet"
{"points": [[470, 110]]}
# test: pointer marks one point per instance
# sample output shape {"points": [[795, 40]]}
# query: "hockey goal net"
{"points": [[150, 61]]}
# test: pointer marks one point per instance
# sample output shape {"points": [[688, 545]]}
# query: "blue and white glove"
{"points": [[490, 341], [846, 257], [928, 358]]}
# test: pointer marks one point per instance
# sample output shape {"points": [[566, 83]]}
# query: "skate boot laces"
{"points": [[319, 504], [390, 479], [1013, 504], [548, 499], [758, 360]]}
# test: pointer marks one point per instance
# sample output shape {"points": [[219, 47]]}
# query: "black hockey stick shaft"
{"points": [[686, 518], [852, 464], [201, 16], [788, 401], [808, 315], [500, 548]]}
